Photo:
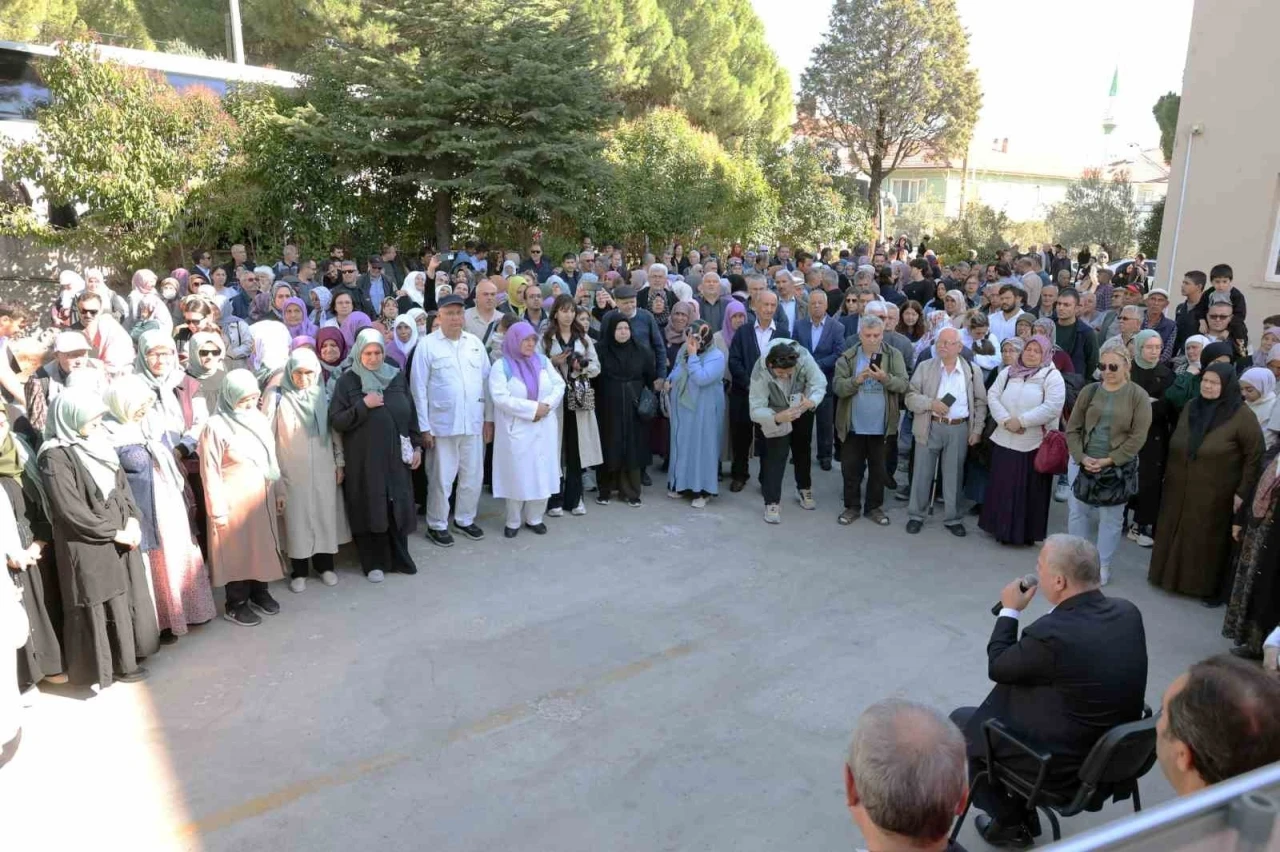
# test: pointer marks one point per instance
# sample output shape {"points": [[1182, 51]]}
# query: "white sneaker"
{"points": [[805, 496], [579, 510], [1106, 574], [329, 578], [1133, 532], [1145, 540], [555, 513], [298, 584], [375, 576], [674, 495], [699, 502], [1061, 492], [772, 514]]}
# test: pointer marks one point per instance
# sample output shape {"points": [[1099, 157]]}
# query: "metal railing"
{"points": [[1239, 815]]}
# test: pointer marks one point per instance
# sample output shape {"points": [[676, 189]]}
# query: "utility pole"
{"points": [[237, 34]]}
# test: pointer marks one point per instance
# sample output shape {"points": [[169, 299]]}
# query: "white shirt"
{"points": [[788, 307], [953, 382], [763, 336], [816, 335], [1003, 328], [450, 382]]}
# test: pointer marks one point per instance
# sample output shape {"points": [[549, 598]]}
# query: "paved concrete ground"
{"points": [[639, 679]]}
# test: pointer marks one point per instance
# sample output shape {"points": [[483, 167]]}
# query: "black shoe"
{"points": [[135, 676], [1210, 603], [407, 569], [737, 485], [508, 532], [440, 537], [263, 603], [1003, 837], [241, 614], [644, 477], [891, 483], [633, 502], [167, 637], [471, 531], [825, 464], [975, 509], [538, 529], [914, 527], [958, 531]]}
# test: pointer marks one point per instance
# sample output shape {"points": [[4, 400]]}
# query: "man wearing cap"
{"points": [[70, 352], [450, 375], [644, 328], [1157, 303], [374, 287]]}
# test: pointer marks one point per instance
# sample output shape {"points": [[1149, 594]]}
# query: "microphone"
{"points": [[1028, 582]]}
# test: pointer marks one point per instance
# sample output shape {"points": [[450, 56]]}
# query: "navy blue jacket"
{"points": [[830, 347], [744, 352]]}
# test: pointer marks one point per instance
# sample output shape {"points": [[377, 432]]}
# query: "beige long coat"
{"points": [[248, 547], [589, 451], [315, 518]]}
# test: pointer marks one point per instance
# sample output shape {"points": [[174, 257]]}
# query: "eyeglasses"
{"points": [[535, 252], [1110, 368], [206, 353], [195, 321], [348, 272], [1220, 316]]}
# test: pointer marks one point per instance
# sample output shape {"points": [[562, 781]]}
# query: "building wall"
{"points": [[1021, 197], [1229, 192]]}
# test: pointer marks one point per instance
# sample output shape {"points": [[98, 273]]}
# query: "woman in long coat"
{"points": [[1154, 378], [526, 391], [109, 620], [1214, 459], [374, 411], [1254, 609], [36, 574], [239, 468], [311, 471], [626, 367], [571, 351], [697, 416]]}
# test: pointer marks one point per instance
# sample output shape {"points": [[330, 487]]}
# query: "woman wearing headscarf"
{"points": [[321, 298], [236, 333], [697, 416], [144, 286], [331, 349], [516, 285], [109, 619], [626, 367], [152, 315], [260, 308], [1025, 402], [372, 407], [180, 585], [31, 564], [573, 355], [1154, 378], [526, 389], [976, 335], [401, 342], [414, 293], [270, 353], [1215, 456], [735, 316], [1258, 386], [296, 319], [352, 324], [1253, 610], [1186, 385], [311, 470]]}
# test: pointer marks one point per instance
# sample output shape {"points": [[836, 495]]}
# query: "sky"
{"points": [[1044, 76]]}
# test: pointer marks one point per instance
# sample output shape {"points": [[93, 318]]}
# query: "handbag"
{"points": [[646, 403], [1052, 456], [582, 397], [1113, 486]]}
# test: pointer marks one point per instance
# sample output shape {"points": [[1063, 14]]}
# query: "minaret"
{"points": [[1108, 119]]}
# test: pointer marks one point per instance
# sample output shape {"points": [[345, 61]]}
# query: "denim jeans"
{"points": [[1080, 519]]}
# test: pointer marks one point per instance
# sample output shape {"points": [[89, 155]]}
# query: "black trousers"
{"points": [[240, 591], [626, 481], [570, 493], [1002, 807], [824, 418], [388, 551], [797, 445], [322, 561], [857, 453], [740, 435]]}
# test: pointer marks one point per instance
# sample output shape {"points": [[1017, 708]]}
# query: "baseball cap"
{"points": [[451, 299], [70, 341], [1157, 291], [626, 291]]}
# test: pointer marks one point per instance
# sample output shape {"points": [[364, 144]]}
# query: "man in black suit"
{"points": [[1075, 674], [744, 352]]}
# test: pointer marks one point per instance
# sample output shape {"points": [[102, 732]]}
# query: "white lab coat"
{"points": [[449, 382], [526, 455]]}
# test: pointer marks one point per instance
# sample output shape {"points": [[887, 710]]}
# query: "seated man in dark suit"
{"points": [[1075, 674], [904, 777]]}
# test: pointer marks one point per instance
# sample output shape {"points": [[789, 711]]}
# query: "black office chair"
{"points": [[1110, 771]]}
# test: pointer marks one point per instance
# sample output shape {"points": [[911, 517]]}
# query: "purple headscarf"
{"points": [[731, 307], [306, 328], [527, 368], [1020, 370], [355, 322], [302, 340]]}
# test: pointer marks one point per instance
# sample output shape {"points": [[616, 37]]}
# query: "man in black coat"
{"points": [[1075, 674], [744, 352]]}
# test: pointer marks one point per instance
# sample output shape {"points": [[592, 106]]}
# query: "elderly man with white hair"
{"points": [[949, 399], [656, 281], [905, 777], [793, 305]]}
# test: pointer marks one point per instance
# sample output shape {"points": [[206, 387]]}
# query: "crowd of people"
{"points": [[231, 426]]}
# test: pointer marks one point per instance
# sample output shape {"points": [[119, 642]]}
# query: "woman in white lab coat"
{"points": [[526, 390]]}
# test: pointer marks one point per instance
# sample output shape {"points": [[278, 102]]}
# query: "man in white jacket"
{"points": [[450, 376]]}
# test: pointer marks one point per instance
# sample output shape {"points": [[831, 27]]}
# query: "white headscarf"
{"points": [[415, 286]]}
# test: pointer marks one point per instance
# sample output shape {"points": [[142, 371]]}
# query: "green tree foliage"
{"points": [[811, 211], [1149, 234], [497, 104], [1166, 113], [123, 146], [890, 79], [978, 228], [42, 21], [668, 178], [638, 49], [1097, 211]]}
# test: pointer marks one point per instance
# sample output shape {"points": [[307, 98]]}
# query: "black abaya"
{"points": [[625, 368]]}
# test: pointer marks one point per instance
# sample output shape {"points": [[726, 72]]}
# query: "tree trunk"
{"points": [[876, 177], [444, 219]]}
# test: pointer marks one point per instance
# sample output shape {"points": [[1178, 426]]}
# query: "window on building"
{"points": [[907, 191]]}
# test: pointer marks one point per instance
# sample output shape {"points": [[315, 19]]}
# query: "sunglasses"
{"points": [[1220, 316], [88, 313], [205, 353], [535, 252], [1110, 368]]}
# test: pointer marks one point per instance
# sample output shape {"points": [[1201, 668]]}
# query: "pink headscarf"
{"points": [[355, 322], [306, 328], [733, 306], [527, 368], [1020, 370]]}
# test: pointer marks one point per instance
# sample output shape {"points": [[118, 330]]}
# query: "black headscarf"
{"points": [[622, 361], [1216, 350], [1205, 415]]}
